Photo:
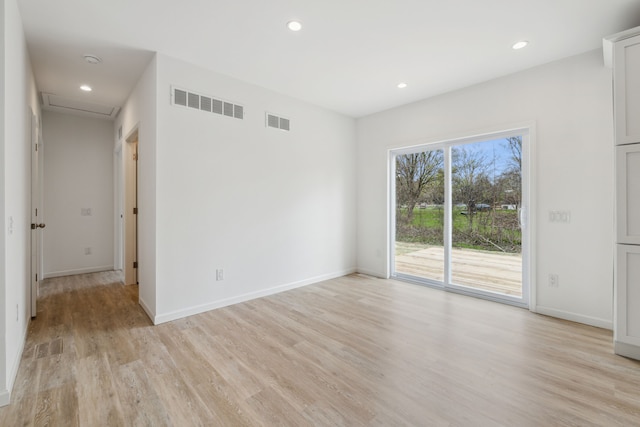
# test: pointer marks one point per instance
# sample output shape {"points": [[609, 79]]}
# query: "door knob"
{"points": [[34, 226], [42, 225]]}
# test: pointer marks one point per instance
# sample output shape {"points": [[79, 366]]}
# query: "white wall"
{"points": [[4, 386], [139, 112], [571, 104], [19, 95], [78, 174], [275, 210]]}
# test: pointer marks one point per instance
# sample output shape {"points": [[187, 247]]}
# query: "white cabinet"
{"points": [[628, 193], [622, 51], [626, 96], [627, 301]]}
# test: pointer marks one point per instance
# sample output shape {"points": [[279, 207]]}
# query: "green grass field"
{"points": [[495, 230]]}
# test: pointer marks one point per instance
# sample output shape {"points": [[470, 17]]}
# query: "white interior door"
{"points": [[37, 217]]}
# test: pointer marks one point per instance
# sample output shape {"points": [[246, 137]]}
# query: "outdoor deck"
{"points": [[490, 271]]}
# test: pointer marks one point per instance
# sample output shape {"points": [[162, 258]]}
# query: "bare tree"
{"points": [[414, 173], [515, 146], [509, 185], [471, 184], [511, 178]]}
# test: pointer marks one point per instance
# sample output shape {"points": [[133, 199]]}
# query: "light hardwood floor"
{"points": [[351, 351]]}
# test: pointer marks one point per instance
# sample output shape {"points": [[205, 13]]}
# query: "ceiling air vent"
{"points": [[186, 98], [278, 122]]}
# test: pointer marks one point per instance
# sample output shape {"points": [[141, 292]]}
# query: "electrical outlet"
{"points": [[219, 274], [560, 216], [87, 251], [554, 280]]}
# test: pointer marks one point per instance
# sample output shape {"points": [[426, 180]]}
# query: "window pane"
{"points": [[420, 215]]}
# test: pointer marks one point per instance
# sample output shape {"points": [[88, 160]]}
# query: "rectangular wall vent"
{"points": [[228, 109], [217, 106], [205, 103], [278, 122], [194, 100], [180, 97], [238, 112], [187, 98]]}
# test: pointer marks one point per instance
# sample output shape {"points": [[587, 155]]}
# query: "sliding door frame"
{"points": [[527, 216]]}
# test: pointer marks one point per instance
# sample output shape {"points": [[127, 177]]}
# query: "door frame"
{"points": [[527, 216]]}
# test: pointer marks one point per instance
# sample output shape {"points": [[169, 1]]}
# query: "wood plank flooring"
{"points": [[354, 351]]}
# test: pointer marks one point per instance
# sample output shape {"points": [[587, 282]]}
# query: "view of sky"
{"points": [[497, 150]]}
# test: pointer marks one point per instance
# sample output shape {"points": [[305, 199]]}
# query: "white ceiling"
{"points": [[349, 56]]}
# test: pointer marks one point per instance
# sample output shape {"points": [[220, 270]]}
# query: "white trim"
{"points": [[146, 309], [118, 205], [610, 41], [626, 350], [179, 314], [480, 135], [447, 239], [77, 271], [532, 195], [575, 317], [5, 398], [390, 269], [5, 395], [372, 273]]}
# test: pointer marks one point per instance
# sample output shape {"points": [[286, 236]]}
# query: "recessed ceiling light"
{"points": [[294, 25], [86, 88], [92, 59], [520, 45], [402, 85]]}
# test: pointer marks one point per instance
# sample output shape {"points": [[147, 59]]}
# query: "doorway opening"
{"points": [[459, 213]]}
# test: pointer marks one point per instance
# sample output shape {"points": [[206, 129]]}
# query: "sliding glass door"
{"points": [[458, 210]]}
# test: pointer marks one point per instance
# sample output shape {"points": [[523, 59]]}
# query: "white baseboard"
{"points": [[146, 309], [77, 271], [5, 398], [626, 350], [179, 314], [574, 317], [5, 395], [371, 273]]}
